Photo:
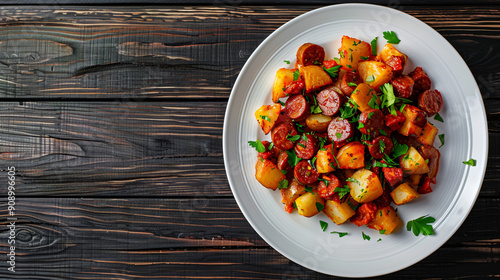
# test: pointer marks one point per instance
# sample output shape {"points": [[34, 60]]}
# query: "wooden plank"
{"points": [[179, 52], [146, 238], [124, 149]]}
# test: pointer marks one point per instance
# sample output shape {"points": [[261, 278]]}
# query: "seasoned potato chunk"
{"points": [[338, 211], [318, 122], [413, 162], [268, 174], [284, 77], [325, 161], [362, 96], [351, 156], [365, 186], [294, 190], [352, 51], [386, 220], [428, 135], [375, 73], [414, 122], [267, 115], [393, 57], [403, 194], [314, 77], [306, 204]]}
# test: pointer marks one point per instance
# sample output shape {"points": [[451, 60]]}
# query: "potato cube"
{"points": [[306, 204], [365, 186], [267, 115], [415, 121], [428, 134], [393, 57], [374, 73], [415, 179], [352, 50], [386, 220], [338, 211], [284, 77], [268, 174], [318, 122], [403, 194], [351, 155], [362, 96], [314, 77], [294, 190], [325, 161], [413, 163]]}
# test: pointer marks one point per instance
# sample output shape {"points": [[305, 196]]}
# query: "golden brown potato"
{"points": [[374, 73], [351, 155], [414, 122], [314, 77], [403, 194], [267, 115], [386, 220], [393, 57], [365, 186], [284, 77], [413, 163], [352, 51], [306, 204], [362, 96], [338, 211], [268, 174], [318, 122], [294, 190], [324, 159], [428, 135]]}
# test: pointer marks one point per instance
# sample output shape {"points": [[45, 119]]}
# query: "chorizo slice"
{"points": [[307, 146], [349, 82], [329, 101], [310, 54], [280, 133], [422, 81], [403, 86], [372, 122], [327, 191], [364, 214], [430, 101], [282, 163], [339, 131], [297, 108], [380, 146], [394, 122], [305, 173]]}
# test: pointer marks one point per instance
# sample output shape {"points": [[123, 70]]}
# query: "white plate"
{"points": [[301, 239]]}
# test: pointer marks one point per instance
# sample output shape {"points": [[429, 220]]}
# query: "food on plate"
{"points": [[350, 136]]}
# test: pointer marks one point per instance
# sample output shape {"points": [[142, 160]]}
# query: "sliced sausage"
{"points": [[309, 54], [349, 82], [373, 122], [364, 214], [339, 131], [283, 164], [328, 191], [422, 81], [403, 86], [305, 173], [307, 146], [393, 175], [329, 101], [430, 101], [394, 122], [433, 155], [279, 135], [296, 107], [268, 154], [295, 87], [380, 146], [397, 63]]}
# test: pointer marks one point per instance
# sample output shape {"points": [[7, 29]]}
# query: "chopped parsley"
{"points": [[441, 138], [391, 37], [293, 159], [421, 225], [352, 84], [370, 78], [471, 162], [388, 98], [293, 138], [320, 207], [286, 61], [373, 43], [283, 184], [365, 237], [266, 118], [353, 180], [324, 225], [309, 189], [296, 75], [332, 71], [343, 191], [257, 145], [438, 117], [341, 234]]}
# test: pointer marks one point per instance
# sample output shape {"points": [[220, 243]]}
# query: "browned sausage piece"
{"points": [[430, 101], [403, 86], [433, 155], [328, 191], [380, 146], [282, 164], [309, 54], [397, 63], [296, 107], [305, 173], [373, 122], [349, 83], [279, 135], [339, 130], [329, 101], [307, 146], [422, 81]]}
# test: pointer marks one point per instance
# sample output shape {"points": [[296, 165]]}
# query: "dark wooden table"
{"points": [[112, 115]]}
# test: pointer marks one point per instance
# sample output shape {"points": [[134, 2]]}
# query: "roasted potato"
{"points": [[403, 194], [413, 163], [386, 220], [352, 51], [375, 73], [365, 186], [284, 77], [351, 155], [338, 211], [362, 96], [318, 122], [414, 122], [325, 161], [306, 204], [314, 77], [428, 134], [267, 115], [268, 174]]}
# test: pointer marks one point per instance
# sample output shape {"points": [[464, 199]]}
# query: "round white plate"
{"points": [[301, 239]]}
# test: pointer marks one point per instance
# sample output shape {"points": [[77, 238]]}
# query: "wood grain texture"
{"points": [[146, 238], [174, 52]]}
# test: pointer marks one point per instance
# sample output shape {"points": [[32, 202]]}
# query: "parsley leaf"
{"points": [[293, 159], [283, 184], [296, 75], [438, 117], [351, 84], [281, 103], [370, 78], [293, 138], [441, 138], [373, 43], [421, 225], [286, 61], [341, 234], [332, 71], [373, 102], [399, 150], [353, 180], [365, 237], [388, 98], [324, 225], [266, 118], [320, 207], [364, 57], [471, 162], [391, 37], [343, 191], [382, 231], [257, 145], [309, 189]]}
